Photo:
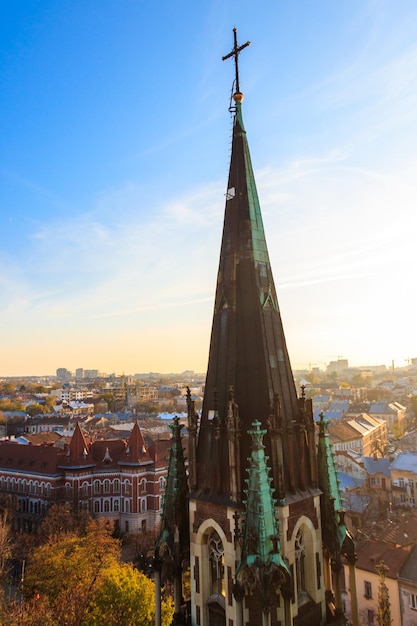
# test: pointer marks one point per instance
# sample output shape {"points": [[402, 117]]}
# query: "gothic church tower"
{"points": [[256, 546]]}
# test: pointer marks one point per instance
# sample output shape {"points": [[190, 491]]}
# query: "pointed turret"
{"points": [[79, 452], [261, 567], [337, 540], [173, 544], [336, 536], [136, 452]]}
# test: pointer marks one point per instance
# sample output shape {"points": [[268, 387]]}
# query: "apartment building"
{"points": [[366, 435]]}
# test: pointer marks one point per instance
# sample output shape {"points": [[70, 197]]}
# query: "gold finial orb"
{"points": [[238, 97]]}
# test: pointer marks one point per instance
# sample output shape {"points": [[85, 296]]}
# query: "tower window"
{"points": [[300, 562], [216, 559]]}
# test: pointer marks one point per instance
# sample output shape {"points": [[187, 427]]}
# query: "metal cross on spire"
{"points": [[235, 53]]}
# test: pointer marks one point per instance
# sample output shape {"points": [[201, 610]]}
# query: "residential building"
{"points": [[364, 434], [371, 554], [404, 480], [407, 580], [393, 413]]}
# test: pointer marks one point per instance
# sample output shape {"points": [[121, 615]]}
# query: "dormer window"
{"points": [[107, 458]]}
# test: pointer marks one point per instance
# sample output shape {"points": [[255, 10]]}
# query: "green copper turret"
{"points": [[261, 565], [173, 544], [336, 536]]}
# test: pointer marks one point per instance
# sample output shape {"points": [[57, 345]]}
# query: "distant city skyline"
{"points": [[76, 374], [113, 168]]}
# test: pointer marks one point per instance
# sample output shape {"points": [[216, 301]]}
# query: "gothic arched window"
{"points": [[216, 560], [300, 562]]}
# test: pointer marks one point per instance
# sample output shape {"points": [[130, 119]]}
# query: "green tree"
{"points": [[35, 409], [125, 597], [109, 398]]}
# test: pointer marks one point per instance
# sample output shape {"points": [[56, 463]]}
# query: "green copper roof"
{"points": [[335, 534], [260, 544], [258, 249]]}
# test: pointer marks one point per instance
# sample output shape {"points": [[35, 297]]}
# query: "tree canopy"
{"points": [[125, 597], [79, 581]]}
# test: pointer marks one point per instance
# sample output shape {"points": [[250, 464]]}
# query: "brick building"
{"points": [[117, 481]]}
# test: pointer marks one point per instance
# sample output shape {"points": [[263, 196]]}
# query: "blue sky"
{"points": [[114, 150]]}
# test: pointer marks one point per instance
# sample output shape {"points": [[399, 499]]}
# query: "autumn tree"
{"points": [[5, 544], [6, 389], [66, 572], [108, 397], [60, 521], [125, 597], [8, 405], [80, 581], [34, 612], [413, 405], [35, 409]]}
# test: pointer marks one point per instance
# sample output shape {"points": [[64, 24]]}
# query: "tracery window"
{"points": [[300, 561], [216, 559]]}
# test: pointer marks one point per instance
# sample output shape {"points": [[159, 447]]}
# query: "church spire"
{"points": [[248, 349]]}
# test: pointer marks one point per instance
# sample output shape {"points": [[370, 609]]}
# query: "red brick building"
{"points": [[118, 481]]}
